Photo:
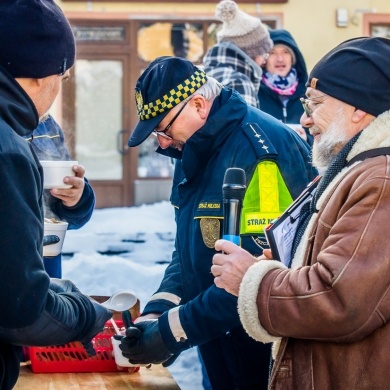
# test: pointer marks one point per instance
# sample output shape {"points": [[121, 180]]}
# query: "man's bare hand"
{"points": [[229, 267], [70, 197], [267, 255]]}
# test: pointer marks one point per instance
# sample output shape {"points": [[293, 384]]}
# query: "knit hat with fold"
{"points": [[357, 72], [36, 39], [245, 31]]}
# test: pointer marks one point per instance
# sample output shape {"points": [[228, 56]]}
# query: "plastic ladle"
{"points": [[121, 301]]}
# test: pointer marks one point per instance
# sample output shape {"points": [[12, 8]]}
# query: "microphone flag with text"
{"points": [[233, 191]]}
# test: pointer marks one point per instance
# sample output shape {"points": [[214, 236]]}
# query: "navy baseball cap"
{"points": [[166, 82]]}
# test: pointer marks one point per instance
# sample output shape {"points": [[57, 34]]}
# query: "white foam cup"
{"points": [[120, 360], [57, 228], [55, 171]]}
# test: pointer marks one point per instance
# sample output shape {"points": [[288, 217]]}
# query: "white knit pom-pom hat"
{"points": [[245, 31]]}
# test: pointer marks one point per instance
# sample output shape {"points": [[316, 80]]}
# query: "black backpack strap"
{"points": [[370, 153]]}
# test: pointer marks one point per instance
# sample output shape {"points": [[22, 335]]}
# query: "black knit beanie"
{"points": [[356, 72], [36, 39]]}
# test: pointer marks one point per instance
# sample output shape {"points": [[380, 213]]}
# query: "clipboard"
{"points": [[280, 234]]}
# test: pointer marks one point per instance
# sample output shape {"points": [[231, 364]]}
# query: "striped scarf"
{"points": [[284, 86]]}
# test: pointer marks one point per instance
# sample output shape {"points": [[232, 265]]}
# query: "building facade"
{"points": [[117, 39]]}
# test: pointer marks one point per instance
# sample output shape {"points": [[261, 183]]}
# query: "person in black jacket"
{"points": [[283, 82], [74, 205], [208, 128], [37, 48]]}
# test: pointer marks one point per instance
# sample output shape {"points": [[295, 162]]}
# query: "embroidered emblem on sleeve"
{"points": [[210, 229]]}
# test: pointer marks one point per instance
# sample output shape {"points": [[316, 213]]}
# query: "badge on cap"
{"points": [[139, 101], [63, 67], [313, 83]]}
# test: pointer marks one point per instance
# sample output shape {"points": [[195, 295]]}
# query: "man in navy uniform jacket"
{"points": [[209, 128]]}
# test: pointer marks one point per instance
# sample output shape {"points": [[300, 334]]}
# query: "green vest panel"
{"points": [[265, 199]]}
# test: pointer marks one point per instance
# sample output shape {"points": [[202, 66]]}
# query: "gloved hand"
{"points": [[143, 344], [102, 316], [50, 239], [62, 286], [126, 318], [171, 360]]}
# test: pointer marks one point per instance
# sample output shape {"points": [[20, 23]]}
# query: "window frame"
{"points": [[371, 20]]}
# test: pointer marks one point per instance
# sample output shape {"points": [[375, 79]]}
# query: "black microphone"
{"points": [[233, 190]]}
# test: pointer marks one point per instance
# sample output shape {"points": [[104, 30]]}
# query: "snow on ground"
{"points": [[128, 248]]}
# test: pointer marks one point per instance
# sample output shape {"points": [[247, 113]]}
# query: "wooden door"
{"points": [[96, 114]]}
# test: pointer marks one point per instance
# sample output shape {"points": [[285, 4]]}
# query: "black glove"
{"points": [[102, 316], [143, 344], [50, 240], [171, 360], [62, 286], [126, 318]]}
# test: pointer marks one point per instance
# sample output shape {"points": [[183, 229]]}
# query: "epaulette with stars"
{"points": [[259, 140]]}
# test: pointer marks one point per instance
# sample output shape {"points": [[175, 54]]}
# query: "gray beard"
{"points": [[331, 142]]}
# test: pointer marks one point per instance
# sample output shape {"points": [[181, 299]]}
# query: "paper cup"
{"points": [[54, 173], [57, 228], [120, 360]]}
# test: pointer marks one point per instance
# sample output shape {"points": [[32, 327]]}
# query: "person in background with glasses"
{"points": [[74, 205], [329, 313], [208, 128]]}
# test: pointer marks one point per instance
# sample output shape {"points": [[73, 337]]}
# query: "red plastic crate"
{"points": [[72, 357]]}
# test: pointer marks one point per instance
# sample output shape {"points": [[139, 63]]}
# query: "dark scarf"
{"points": [[335, 167]]}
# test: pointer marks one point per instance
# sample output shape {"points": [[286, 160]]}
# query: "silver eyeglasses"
{"points": [[306, 102], [162, 133]]}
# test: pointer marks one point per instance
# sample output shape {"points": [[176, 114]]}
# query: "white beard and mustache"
{"points": [[331, 141]]}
